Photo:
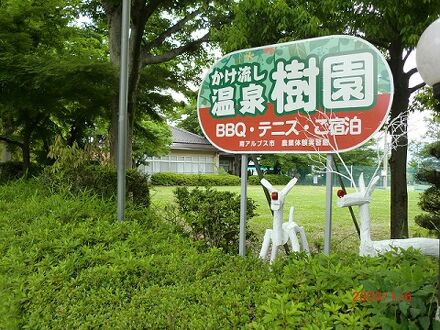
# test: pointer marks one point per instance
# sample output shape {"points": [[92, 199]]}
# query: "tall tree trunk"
{"points": [[114, 21], [399, 194], [398, 160], [113, 130], [140, 54], [114, 15], [237, 165]]}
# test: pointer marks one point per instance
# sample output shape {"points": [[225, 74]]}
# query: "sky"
{"points": [[416, 122]]}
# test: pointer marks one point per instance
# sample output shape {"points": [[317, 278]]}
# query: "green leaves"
{"points": [[54, 75], [179, 179], [326, 286], [94, 272], [76, 170], [65, 262], [212, 216]]}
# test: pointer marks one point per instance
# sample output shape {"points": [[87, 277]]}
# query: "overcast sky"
{"points": [[416, 123]]}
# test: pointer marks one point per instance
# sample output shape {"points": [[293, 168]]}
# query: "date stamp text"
{"points": [[381, 296]]}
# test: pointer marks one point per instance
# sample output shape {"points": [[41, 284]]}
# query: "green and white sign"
{"points": [[317, 95]]}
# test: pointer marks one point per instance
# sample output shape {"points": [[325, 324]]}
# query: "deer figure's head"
{"points": [[277, 197], [363, 196]]}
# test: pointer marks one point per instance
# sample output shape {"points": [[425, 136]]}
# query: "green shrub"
{"points": [[320, 292], [69, 264], [75, 171], [178, 179], [100, 180], [430, 199], [10, 171], [274, 179], [212, 216], [66, 263], [13, 170], [430, 203]]}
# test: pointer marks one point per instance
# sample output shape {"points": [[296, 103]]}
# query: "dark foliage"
{"points": [[430, 199]]}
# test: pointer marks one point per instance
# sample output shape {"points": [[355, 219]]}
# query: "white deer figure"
{"points": [[362, 198], [282, 232]]}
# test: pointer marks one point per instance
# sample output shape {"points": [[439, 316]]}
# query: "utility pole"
{"points": [[123, 100]]}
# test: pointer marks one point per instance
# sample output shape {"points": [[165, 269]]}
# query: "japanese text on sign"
{"points": [[347, 82]]}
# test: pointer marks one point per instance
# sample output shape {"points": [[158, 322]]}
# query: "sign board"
{"points": [[328, 94]]}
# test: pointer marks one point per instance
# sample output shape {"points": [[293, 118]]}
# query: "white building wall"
{"points": [[180, 161]]}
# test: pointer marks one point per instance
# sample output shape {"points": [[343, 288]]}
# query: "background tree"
{"points": [[288, 164], [54, 78], [395, 27], [392, 26], [428, 161], [365, 155], [188, 118], [151, 138], [430, 199], [160, 31], [425, 101], [191, 121]]}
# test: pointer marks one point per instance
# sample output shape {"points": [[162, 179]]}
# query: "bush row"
{"points": [[346, 291], [177, 179], [71, 265], [274, 179]]}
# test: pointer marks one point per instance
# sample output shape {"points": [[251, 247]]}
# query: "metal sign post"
{"points": [[328, 204], [123, 100], [243, 206]]}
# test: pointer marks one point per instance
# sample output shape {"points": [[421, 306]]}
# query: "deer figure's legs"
{"points": [[292, 229], [302, 234], [294, 240], [273, 254], [266, 243]]}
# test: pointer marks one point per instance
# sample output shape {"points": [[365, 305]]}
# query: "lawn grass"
{"points": [[309, 203]]}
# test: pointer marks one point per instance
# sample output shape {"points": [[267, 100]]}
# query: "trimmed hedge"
{"points": [[71, 265], [10, 171], [178, 179]]}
